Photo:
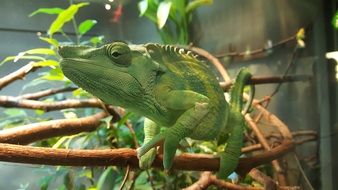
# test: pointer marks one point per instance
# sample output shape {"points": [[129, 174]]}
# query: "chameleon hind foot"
{"points": [[146, 160]]}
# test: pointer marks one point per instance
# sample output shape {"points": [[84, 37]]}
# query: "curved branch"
{"points": [[10, 101], [44, 93], [16, 75], [37, 131], [126, 156], [208, 179]]}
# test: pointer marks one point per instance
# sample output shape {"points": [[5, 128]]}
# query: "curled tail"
{"points": [[230, 157], [236, 101]]}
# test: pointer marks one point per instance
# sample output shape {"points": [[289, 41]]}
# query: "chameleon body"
{"points": [[171, 87]]}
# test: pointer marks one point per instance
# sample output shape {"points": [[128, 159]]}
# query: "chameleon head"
{"points": [[115, 73]]}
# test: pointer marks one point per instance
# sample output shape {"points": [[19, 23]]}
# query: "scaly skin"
{"points": [[167, 85]]}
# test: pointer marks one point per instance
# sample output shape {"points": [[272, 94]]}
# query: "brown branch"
{"points": [[16, 75], [125, 178], [266, 146], [207, 179], [257, 175], [267, 80], [44, 93], [256, 52], [125, 156], [37, 131], [10, 101]]}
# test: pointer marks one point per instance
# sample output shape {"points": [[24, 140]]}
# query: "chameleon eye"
{"points": [[119, 53], [116, 54]]}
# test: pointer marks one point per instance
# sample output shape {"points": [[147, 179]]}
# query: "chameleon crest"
{"points": [[168, 85]]}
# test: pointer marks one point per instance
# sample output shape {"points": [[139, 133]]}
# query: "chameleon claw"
{"points": [[139, 153]]}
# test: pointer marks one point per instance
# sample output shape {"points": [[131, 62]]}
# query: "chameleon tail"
{"points": [[236, 101], [230, 156]]}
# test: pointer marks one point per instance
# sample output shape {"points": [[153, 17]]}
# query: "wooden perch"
{"points": [[44, 93], [125, 156], [16, 75], [13, 102], [37, 131], [268, 80]]}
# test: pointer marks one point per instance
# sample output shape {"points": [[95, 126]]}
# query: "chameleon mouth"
{"points": [[105, 83]]}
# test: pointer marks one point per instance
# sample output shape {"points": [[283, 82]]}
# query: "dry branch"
{"points": [[10, 101], [44, 93], [268, 80], [264, 143], [16, 75], [33, 132], [257, 175], [125, 156], [208, 179], [257, 52]]}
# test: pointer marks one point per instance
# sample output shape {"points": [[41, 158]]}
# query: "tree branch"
{"points": [[126, 156], [268, 80], [44, 93], [208, 179], [16, 75], [10, 101], [37, 131], [257, 52]]}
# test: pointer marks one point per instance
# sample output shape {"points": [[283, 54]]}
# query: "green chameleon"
{"points": [[168, 85]]}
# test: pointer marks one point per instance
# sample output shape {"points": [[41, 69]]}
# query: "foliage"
{"points": [[335, 21], [107, 135], [172, 17]]}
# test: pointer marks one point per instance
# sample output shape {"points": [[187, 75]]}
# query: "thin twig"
{"points": [[291, 62], [268, 80], [257, 51], [303, 173], [44, 93], [37, 131], [125, 178], [208, 179], [11, 101], [257, 175], [16, 75], [264, 143]]}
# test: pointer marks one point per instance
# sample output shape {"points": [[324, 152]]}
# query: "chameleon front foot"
{"points": [[170, 144]]}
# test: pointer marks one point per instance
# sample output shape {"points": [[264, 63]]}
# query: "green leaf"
{"points": [[335, 21], [148, 8], [46, 63], [42, 51], [142, 7], [16, 58], [51, 41], [163, 13], [65, 16], [55, 10], [195, 4], [39, 112], [107, 121], [86, 25], [104, 176], [54, 74], [14, 112], [96, 40]]}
